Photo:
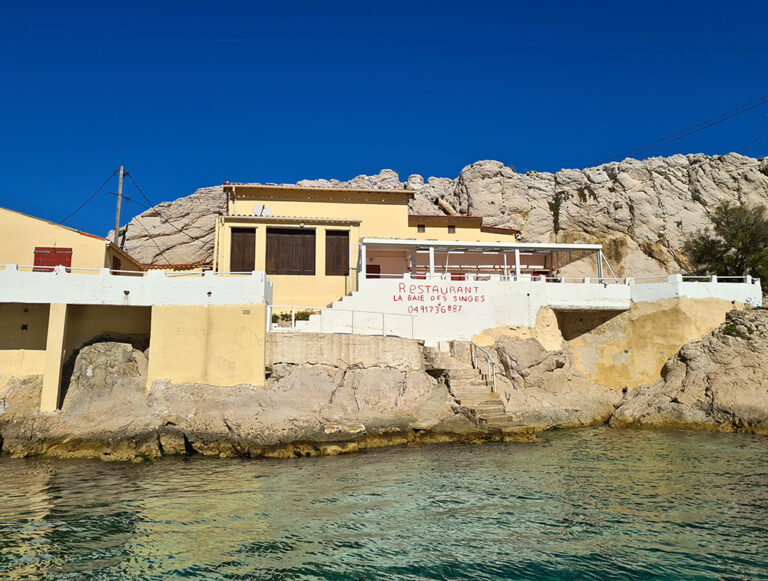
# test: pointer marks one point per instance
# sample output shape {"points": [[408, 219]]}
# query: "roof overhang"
{"points": [[280, 220], [123, 254], [445, 220], [481, 246], [246, 189]]}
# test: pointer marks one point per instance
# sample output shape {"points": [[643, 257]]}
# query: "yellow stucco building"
{"points": [[309, 240], [29, 241], [356, 258]]}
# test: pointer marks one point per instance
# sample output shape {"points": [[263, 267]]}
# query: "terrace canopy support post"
{"points": [[363, 262], [600, 265], [517, 264], [431, 260], [506, 268]]}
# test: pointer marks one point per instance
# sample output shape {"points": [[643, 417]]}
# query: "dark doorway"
{"points": [[243, 255]]}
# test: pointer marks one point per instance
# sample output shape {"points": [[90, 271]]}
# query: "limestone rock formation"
{"points": [[177, 232], [719, 382], [641, 211], [307, 409]]}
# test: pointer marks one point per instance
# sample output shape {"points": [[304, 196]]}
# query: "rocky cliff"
{"points": [[719, 382], [641, 211]]}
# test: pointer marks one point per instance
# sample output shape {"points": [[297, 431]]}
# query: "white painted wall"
{"points": [[748, 292], [154, 288], [438, 309]]}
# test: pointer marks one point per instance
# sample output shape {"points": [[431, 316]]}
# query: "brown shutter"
{"points": [[290, 251], [242, 257], [336, 252]]}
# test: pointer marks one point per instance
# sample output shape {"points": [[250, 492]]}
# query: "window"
{"points": [[290, 251], [336, 252], [46, 258], [421, 228], [451, 229]]}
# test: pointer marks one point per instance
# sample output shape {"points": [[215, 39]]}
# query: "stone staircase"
{"points": [[471, 393]]}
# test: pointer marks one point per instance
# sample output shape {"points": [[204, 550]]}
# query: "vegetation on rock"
{"points": [[736, 245]]}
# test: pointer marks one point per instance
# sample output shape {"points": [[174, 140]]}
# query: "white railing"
{"points": [[102, 286], [293, 309], [490, 377], [335, 320], [361, 322], [458, 277]]}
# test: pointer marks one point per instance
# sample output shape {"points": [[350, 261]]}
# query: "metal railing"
{"points": [[293, 310], [323, 328], [490, 377], [410, 322]]}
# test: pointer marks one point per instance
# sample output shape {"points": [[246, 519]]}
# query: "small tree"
{"points": [[736, 245]]}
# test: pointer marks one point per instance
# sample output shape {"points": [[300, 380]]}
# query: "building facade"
{"points": [[33, 242]]}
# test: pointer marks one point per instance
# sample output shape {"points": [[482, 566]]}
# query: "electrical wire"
{"points": [[152, 238], [92, 196], [755, 140], [746, 107], [166, 220]]}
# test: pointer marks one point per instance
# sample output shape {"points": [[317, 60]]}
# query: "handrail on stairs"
{"points": [[490, 378]]}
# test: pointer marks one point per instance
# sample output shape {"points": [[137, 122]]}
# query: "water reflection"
{"points": [[592, 504]]}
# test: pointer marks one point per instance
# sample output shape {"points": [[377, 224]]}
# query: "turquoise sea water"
{"points": [[595, 504]]}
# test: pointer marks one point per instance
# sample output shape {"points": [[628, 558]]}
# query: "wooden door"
{"points": [[242, 257], [47, 257]]}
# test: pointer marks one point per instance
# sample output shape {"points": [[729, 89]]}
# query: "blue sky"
{"points": [[188, 94]]}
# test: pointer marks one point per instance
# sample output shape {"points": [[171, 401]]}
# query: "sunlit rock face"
{"points": [[641, 211], [719, 382]]}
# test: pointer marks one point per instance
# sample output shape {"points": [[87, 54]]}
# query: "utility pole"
{"points": [[116, 236]]}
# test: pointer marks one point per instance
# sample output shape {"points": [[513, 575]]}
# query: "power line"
{"points": [[152, 238], [755, 140], [166, 220], [746, 107], [127, 199], [89, 199]]}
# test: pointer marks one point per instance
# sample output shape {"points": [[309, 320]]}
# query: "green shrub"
{"points": [[730, 330]]}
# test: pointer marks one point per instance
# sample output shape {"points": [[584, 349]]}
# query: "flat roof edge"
{"points": [[290, 188], [512, 245]]}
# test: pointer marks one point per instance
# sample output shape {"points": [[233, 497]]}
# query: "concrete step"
{"points": [[507, 421], [473, 402], [484, 410], [474, 385], [461, 369], [474, 393]]}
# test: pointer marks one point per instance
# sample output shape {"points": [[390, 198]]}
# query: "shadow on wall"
{"points": [[574, 324], [23, 326]]}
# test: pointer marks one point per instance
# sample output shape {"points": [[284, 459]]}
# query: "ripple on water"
{"points": [[590, 504]]}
